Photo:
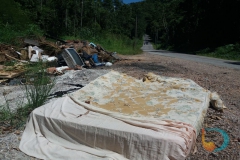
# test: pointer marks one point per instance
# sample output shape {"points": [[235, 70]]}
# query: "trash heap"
{"points": [[60, 55]]}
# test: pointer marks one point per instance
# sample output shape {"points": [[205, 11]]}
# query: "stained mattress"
{"points": [[119, 117]]}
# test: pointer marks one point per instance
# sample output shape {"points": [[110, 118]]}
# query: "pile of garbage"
{"points": [[60, 55]]}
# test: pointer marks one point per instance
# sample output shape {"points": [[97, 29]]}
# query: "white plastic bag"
{"points": [[108, 64]]}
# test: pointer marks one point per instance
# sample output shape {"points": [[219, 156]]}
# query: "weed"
{"points": [[9, 63], [5, 112], [36, 90], [38, 85]]}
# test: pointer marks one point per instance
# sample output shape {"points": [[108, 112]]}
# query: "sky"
{"points": [[130, 1]]}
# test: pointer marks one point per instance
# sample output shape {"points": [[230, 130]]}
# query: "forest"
{"points": [[179, 25]]}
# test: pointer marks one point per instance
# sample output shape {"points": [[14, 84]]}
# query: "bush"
{"points": [[230, 52], [10, 34], [111, 42]]}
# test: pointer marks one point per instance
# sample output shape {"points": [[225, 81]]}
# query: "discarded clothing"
{"points": [[95, 58]]}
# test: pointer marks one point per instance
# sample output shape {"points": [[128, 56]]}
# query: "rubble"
{"points": [[69, 79], [70, 54], [71, 75], [8, 72]]}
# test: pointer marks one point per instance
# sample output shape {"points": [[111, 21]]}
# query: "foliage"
{"points": [[190, 25], [12, 14], [182, 25], [120, 44], [38, 84], [88, 19], [230, 52], [58, 18], [113, 42], [36, 90], [11, 35]]}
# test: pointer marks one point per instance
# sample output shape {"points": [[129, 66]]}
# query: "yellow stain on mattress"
{"points": [[128, 97]]}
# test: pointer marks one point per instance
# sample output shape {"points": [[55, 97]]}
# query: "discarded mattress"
{"points": [[119, 117], [153, 98]]}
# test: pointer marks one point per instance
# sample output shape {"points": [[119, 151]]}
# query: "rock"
{"points": [[214, 154], [17, 132], [218, 118], [88, 102]]}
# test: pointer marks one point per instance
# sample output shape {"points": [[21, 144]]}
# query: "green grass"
{"points": [[13, 35], [228, 52], [120, 44], [38, 84], [114, 43], [156, 46]]}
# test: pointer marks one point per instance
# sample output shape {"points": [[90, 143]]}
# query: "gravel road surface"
{"points": [[214, 61]]}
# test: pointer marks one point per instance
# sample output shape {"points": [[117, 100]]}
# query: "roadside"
{"points": [[224, 81], [220, 79], [202, 59]]}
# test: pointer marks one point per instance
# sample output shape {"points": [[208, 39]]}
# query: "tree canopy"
{"points": [[175, 24]]}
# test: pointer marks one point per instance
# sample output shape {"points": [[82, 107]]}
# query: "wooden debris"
{"points": [[10, 74], [14, 58], [50, 48], [2, 81], [2, 58], [1, 67]]}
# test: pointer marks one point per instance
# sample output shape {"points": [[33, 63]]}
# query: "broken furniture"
{"points": [[72, 58]]}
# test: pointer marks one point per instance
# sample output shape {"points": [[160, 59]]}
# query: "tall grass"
{"points": [[12, 35], [36, 90], [120, 44], [112, 42], [38, 84]]}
